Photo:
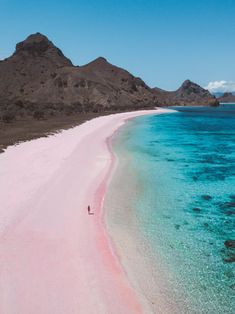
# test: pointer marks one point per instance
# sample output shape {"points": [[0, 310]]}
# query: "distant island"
{"points": [[39, 81], [227, 98]]}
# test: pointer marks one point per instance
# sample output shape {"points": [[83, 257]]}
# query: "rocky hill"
{"points": [[189, 94], [227, 98], [33, 63], [38, 77], [39, 81]]}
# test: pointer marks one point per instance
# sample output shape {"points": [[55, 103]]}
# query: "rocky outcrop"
{"points": [[227, 98], [189, 94]]}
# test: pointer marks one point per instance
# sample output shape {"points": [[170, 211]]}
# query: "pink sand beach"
{"points": [[54, 257]]}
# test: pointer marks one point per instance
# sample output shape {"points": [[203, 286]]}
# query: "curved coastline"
{"points": [[143, 306], [50, 249], [152, 291], [168, 267]]}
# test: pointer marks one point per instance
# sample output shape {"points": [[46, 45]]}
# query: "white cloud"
{"points": [[221, 86]]}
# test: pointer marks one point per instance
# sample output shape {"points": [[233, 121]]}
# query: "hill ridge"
{"points": [[38, 77]]}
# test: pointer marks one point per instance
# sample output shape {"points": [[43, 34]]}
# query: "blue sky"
{"points": [[162, 41]]}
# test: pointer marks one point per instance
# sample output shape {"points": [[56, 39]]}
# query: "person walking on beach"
{"points": [[89, 210]]}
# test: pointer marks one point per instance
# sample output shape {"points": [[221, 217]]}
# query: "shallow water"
{"points": [[184, 168]]}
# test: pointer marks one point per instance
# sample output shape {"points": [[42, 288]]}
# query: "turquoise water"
{"points": [[185, 165]]}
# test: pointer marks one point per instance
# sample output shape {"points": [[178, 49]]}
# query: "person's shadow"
{"points": [[89, 210]]}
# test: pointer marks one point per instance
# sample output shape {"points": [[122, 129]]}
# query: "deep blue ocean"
{"points": [[185, 163]]}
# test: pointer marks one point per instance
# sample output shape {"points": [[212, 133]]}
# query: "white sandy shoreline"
{"points": [[54, 257]]}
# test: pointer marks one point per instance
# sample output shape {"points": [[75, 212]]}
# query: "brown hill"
{"points": [[39, 81], [189, 94], [34, 62], [96, 86], [39, 77], [227, 98]]}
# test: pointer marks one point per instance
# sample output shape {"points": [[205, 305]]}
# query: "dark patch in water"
{"points": [[230, 244], [227, 205], [230, 258], [195, 178], [229, 212], [206, 197], [218, 173], [177, 227], [229, 254], [215, 159], [197, 209], [169, 159], [228, 208], [218, 177]]}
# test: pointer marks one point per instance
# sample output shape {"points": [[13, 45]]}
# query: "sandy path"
{"points": [[54, 257]]}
